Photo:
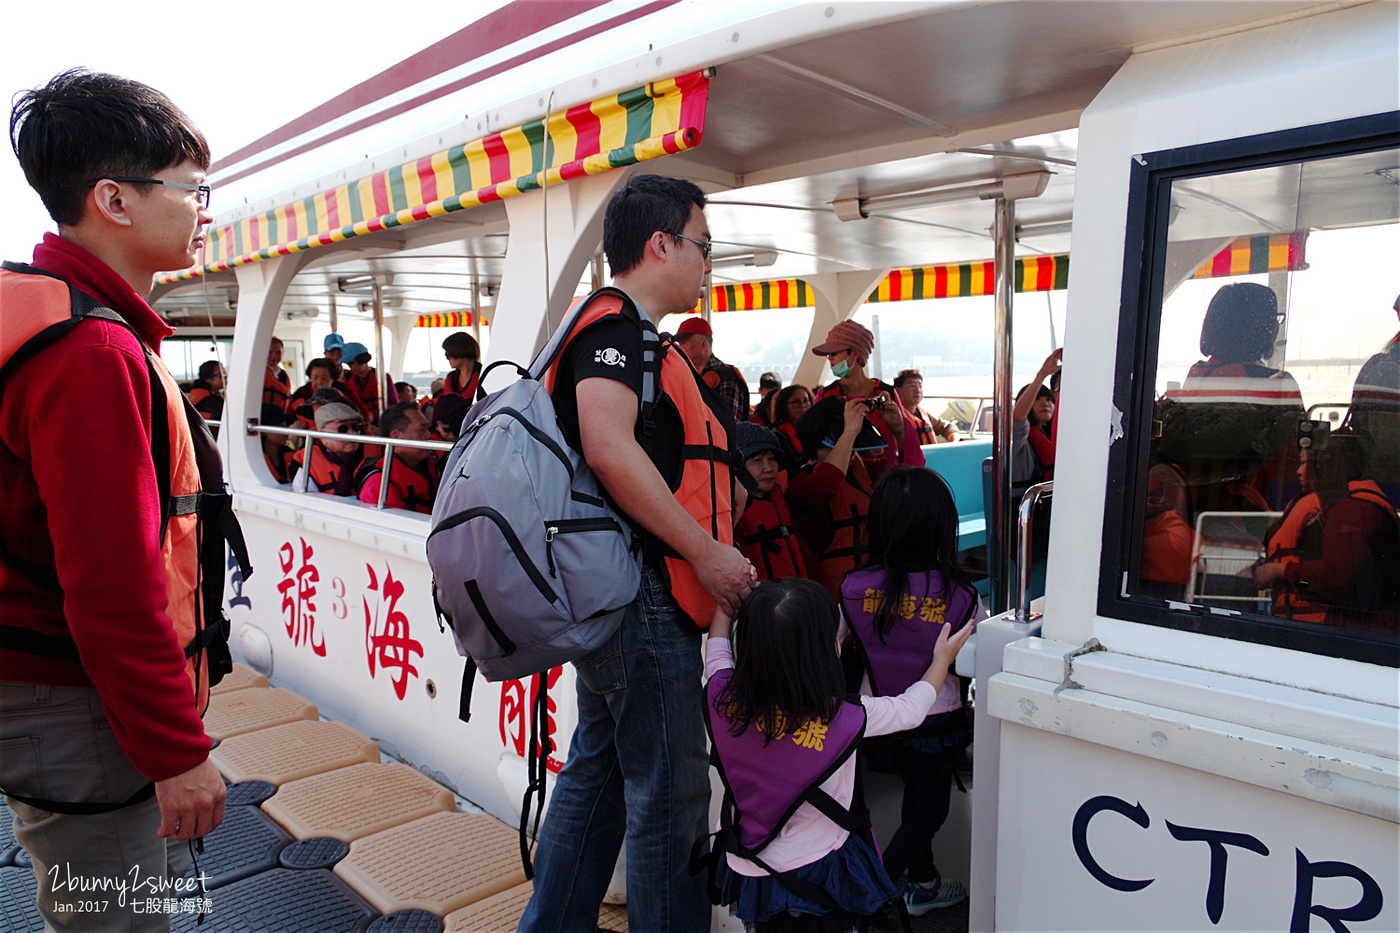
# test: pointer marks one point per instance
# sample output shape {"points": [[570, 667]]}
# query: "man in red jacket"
{"points": [[122, 172]]}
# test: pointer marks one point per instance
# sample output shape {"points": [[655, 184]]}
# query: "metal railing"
{"points": [[1025, 524], [388, 443]]}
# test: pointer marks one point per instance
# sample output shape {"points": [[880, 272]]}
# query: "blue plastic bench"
{"points": [[960, 464]]}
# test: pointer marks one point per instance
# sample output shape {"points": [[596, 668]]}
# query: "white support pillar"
{"points": [[522, 320], [839, 296], [261, 287], [400, 329]]}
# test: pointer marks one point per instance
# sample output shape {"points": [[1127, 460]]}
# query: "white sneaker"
{"points": [[919, 900]]}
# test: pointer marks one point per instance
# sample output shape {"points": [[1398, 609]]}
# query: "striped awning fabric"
{"points": [[447, 319], [644, 123], [759, 296], [954, 280], [1250, 255], [969, 279]]}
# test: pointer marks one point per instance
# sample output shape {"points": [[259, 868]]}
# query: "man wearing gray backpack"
{"points": [[637, 766]]}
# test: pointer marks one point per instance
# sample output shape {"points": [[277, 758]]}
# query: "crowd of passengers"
{"points": [[825, 448], [1235, 438], [1228, 441]]}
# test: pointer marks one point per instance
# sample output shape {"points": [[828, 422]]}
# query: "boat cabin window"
{"points": [[1259, 374]]}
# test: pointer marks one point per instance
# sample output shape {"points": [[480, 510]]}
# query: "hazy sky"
{"points": [[238, 75]]}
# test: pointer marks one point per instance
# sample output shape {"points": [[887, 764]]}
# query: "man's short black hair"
{"points": [[209, 369], [642, 206], [461, 346], [395, 418], [83, 126]]}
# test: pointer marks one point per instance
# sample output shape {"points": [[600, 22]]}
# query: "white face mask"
{"points": [[841, 370]]}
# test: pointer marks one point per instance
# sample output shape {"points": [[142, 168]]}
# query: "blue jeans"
{"points": [[637, 770]]}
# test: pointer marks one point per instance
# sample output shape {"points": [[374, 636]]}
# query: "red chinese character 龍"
{"points": [[515, 716]]}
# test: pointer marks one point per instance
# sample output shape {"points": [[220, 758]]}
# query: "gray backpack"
{"points": [[531, 566]]}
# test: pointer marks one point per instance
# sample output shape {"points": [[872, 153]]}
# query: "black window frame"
{"points": [[1134, 384]]}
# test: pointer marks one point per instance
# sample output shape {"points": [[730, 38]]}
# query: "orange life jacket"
{"points": [[766, 538], [923, 429], [321, 471], [848, 508], [415, 489], [276, 387], [707, 481], [364, 395], [196, 512], [281, 467], [1294, 538], [197, 395]]}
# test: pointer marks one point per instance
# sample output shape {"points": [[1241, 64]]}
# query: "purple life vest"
{"points": [[764, 785], [907, 649]]}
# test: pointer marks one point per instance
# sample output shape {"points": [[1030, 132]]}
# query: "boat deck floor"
{"points": [[322, 834]]}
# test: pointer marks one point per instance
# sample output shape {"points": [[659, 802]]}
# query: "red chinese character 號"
{"points": [[298, 591]]}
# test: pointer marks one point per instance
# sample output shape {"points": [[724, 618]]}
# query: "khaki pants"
{"points": [[106, 871]]}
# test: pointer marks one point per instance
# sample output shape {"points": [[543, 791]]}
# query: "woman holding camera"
{"points": [[830, 496], [847, 348]]}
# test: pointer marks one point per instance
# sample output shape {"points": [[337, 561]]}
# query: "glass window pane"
{"points": [[1274, 465]]}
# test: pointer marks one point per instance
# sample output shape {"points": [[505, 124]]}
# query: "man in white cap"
{"points": [[332, 463]]}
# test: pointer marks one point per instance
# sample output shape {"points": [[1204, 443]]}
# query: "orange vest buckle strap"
{"points": [[196, 509], [706, 482], [1286, 544], [405, 480], [848, 510]]}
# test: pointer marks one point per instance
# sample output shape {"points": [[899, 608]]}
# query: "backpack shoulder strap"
{"points": [[653, 349]]}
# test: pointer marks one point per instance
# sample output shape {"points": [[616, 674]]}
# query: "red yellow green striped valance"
{"points": [[1251, 255], [644, 123], [761, 296], [970, 279], [447, 319], [954, 280]]}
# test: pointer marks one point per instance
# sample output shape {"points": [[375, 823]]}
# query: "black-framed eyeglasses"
{"points": [[204, 190], [704, 247]]}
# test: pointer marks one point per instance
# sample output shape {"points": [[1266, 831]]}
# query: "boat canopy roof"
{"points": [[829, 138]]}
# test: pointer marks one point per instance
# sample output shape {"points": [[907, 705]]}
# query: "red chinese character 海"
{"points": [[388, 642], [298, 591], [515, 716]]}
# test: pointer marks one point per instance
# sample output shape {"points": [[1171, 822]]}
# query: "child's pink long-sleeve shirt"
{"points": [[809, 836]]}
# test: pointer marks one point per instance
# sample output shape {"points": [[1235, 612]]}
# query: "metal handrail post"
{"points": [[388, 443], [1003, 234], [382, 375], [384, 471], [1025, 524]]}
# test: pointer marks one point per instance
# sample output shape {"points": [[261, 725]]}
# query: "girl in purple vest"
{"points": [[899, 607], [789, 854]]}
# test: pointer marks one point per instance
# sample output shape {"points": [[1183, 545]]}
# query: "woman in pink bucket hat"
{"points": [[847, 348]]}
